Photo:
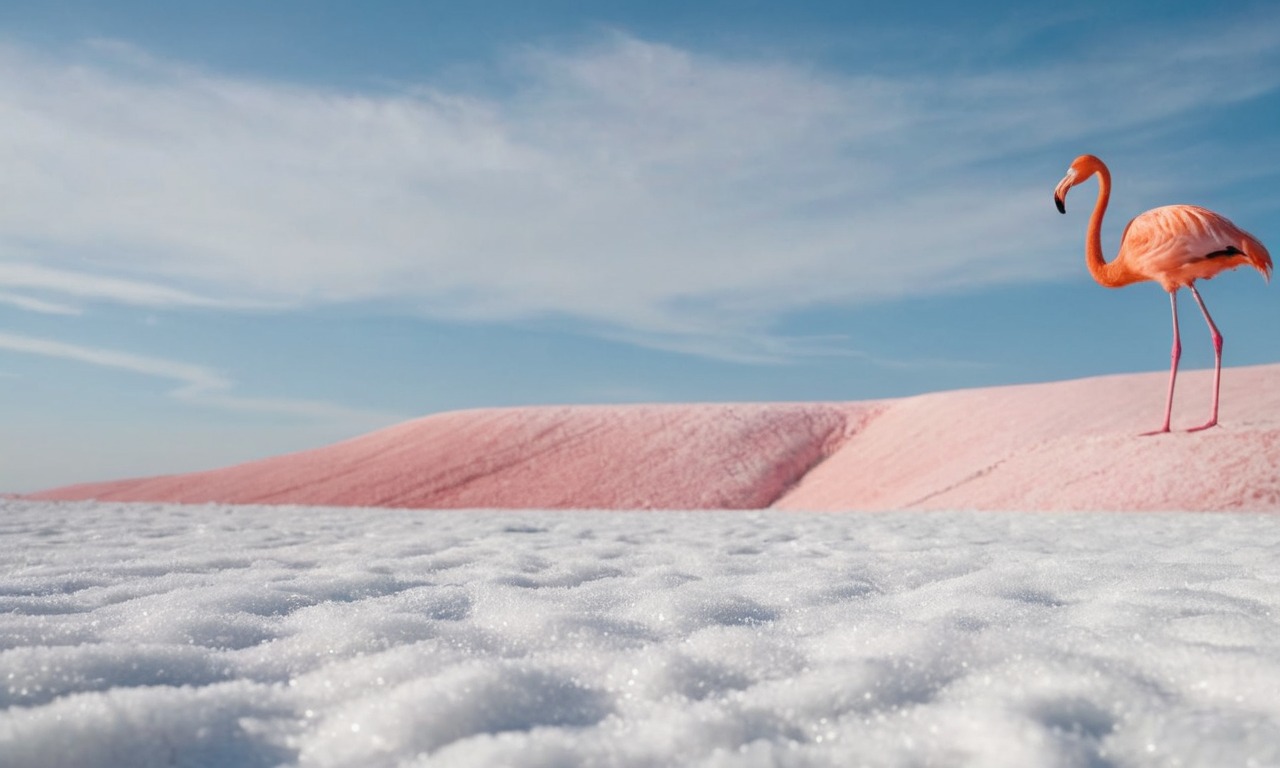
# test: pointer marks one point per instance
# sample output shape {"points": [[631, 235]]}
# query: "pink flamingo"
{"points": [[1174, 245]]}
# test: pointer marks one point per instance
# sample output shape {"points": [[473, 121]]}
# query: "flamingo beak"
{"points": [[1060, 194]]}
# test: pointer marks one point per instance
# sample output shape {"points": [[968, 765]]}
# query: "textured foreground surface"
{"points": [[1072, 445], [214, 636]]}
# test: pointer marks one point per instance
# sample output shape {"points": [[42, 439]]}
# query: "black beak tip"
{"points": [[1062, 207]]}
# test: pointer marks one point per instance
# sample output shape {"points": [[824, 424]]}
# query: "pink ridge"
{"points": [[1071, 445], [633, 457]]}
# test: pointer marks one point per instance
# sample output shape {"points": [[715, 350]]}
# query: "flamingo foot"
{"points": [[1162, 431], [1211, 423]]}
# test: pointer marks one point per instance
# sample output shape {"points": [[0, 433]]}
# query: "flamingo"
{"points": [[1174, 245]]}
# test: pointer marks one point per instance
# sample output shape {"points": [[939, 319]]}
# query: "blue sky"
{"points": [[230, 230]]}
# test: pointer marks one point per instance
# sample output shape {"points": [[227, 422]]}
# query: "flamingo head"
{"points": [[1081, 169]]}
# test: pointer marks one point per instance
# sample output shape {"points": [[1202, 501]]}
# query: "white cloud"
{"points": [[196, 384], [36, 305], [633, 185], [86, 285]]}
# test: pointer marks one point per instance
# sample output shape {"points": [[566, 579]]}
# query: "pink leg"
{"points": [[1174, 356], [1217, 360]]}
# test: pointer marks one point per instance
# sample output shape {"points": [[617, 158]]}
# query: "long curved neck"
{"points": [[1106, 274]]}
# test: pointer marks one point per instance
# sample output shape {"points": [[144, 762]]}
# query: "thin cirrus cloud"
{"points": [[37, 305], [195, 384], [70, 284], [644, 191]]}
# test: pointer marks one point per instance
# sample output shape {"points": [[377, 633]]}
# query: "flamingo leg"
{"points": [[1217, 360], [1174, 356]]}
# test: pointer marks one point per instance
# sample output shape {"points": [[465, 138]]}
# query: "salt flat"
{"points": [[152, 635]]}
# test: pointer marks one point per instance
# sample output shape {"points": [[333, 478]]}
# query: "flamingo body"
{"points": [[1174, 245]]}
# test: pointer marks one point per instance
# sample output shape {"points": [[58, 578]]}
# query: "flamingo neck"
{"points": [[1104, 273]]}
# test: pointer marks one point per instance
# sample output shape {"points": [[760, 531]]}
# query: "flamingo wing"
{"points": [[1177, 244]]}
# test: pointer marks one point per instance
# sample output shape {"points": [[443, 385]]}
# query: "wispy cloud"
{"points": [[86, 285], [37, 305], [196, 384], [195, 379], [763, 348], [628, 184]]}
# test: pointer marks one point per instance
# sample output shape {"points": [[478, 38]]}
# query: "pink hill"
{"points": [[643, 456], [1072, 445]]}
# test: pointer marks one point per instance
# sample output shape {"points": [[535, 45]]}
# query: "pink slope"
{"points": [[664, 456], [1073, 445], [1060, 446]]}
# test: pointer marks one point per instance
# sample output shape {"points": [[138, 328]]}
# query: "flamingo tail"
{"points": [[1257, 255]]}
